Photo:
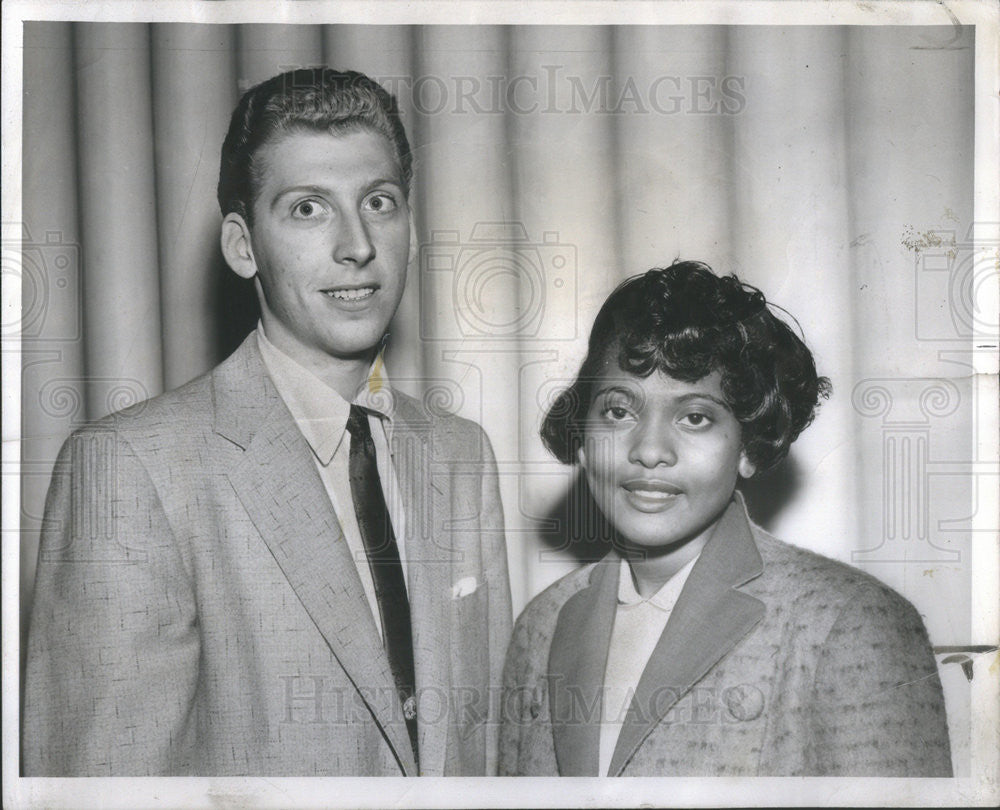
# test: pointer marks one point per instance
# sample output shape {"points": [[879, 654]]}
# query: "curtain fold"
{"points": [[53, 386], [673, 152], [118, 216], [789, 237], [191, 116], [267, 50]]}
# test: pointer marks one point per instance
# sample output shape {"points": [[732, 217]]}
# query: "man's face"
{"points": [[662, 456], [330, 240]]}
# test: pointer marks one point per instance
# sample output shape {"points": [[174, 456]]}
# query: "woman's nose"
{"points": [[652, 444]]}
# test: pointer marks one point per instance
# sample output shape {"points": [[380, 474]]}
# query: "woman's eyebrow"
{"points": [[615, 389], [684, 398]]}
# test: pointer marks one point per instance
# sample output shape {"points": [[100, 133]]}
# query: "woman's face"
{"points": [[661, 456]]}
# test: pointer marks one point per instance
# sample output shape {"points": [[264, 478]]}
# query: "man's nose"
{"points": [[353, 243], [652, 444]]}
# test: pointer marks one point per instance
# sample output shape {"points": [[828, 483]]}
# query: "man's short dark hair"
{"points": [[311, 100], [687, 322]]}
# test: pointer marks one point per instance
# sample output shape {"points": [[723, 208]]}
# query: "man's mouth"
{"points": [[350, 293]]}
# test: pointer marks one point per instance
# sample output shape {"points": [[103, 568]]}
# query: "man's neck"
{"points": [[345, 375]]}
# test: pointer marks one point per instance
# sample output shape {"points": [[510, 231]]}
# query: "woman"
{"points": [[701, 645]]}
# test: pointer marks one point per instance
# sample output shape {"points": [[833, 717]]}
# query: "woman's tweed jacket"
{"points": [[775, 662]]}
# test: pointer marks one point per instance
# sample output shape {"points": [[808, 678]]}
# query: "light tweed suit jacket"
{"points": [[197, 610], [775, 662]]}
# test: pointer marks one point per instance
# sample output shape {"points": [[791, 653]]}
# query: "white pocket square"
{"points": [[464, 587]]}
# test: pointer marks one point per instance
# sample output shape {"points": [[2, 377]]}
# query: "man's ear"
{"points": [[236, 246], [746, 467]]}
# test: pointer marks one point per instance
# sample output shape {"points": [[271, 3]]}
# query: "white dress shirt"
{"points": [[321, 415], [639, 623]]}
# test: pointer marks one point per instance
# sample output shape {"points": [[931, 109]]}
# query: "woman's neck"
{"points": [[652, 569]]}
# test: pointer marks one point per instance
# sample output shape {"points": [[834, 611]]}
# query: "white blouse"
{"points": [[639, 623]]}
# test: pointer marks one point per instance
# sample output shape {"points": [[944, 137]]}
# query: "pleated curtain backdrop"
{"points": [[552, 162]]}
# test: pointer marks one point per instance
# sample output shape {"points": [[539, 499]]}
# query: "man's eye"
{"points": [[307, 209], [381, 203]]}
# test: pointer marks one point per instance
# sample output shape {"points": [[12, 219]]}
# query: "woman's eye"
{"points": [[381, 203], [697, 419], [616, 413]]}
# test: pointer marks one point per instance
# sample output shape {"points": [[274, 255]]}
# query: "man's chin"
{"points": [[353, 350]]}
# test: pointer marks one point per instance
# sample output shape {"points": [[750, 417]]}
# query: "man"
{"points": [[284, 567]]}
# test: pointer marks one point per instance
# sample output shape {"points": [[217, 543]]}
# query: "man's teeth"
{"points": [[351, 295]]}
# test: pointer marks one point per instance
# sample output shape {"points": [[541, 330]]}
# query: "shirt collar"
{"points": [[664, 598], [319, 411]]}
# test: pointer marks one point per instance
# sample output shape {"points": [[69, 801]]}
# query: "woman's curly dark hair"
{"points": [[687, 322]]}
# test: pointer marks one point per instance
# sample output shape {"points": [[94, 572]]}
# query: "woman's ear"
{"points": [[236, 246], [412, 257], [746, 467]]}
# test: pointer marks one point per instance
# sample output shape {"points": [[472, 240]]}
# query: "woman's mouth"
{"points": [[650, 495]]}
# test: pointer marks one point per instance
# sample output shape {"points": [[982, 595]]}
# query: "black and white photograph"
{"points": [[480, 392]]}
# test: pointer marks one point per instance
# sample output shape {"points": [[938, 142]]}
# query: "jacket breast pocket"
{"points": [[469, 698], [470, 637], [469, 607]]}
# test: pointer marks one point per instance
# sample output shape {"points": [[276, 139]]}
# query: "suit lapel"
{"points": [[428, 569], [281, 490], [577, 660], [710, 617]]}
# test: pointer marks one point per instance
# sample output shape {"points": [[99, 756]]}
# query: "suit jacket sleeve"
{"points": [[879, 708], [113, 643], [514, 699], [498, 590], [527, 747]]}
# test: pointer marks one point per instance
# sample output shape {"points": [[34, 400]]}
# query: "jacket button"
{"points": [[536, 701], [743, 702]]}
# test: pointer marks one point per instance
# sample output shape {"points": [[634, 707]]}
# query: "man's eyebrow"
{"points": [[305, 188], [386, 181]]}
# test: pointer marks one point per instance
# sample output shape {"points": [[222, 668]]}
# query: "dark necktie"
{"points": [[384, 563]]}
